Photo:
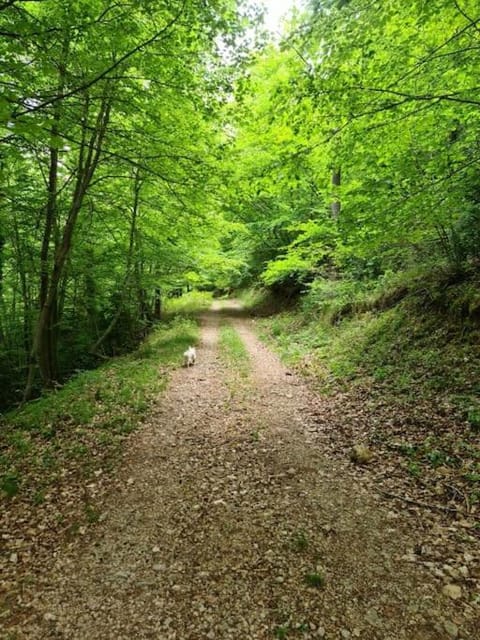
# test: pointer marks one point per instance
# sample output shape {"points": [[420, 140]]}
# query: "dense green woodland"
{"points": [[110, 115], [151, 146]]}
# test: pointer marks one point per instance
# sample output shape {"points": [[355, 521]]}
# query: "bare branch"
{"points": [[454, 96]]}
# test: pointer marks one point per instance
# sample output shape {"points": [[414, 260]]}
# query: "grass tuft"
{"points": [[233, 351], [299, 541], [315, 580]]}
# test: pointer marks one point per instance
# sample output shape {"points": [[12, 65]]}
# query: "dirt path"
{"points": [[227, 515]]}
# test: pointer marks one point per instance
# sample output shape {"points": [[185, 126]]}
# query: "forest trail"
{"points": [[227, 521]]}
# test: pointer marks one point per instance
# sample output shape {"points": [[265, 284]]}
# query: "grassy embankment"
{"points": [[79, 429], [410, 344]]}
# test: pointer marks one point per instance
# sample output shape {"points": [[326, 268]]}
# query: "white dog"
{"points": [[190, 356]]}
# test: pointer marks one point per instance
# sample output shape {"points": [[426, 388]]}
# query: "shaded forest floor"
{"points": [[235, 512]]}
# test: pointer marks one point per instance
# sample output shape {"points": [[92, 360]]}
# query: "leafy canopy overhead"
{"points": [[368, 109]]}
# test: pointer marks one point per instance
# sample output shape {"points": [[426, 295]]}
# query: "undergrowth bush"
{"points": [[326, 297], [262, 301], [190, 303]]}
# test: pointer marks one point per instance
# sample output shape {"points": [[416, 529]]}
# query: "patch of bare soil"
{"points": [[230, 519]]}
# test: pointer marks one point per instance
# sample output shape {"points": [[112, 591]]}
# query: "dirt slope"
{"points": [[226, 513]]}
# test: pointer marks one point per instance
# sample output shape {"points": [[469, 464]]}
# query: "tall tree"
{"points": [[97, 92]]}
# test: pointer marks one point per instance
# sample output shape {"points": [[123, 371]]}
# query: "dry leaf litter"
{"points": [[238, 513]]}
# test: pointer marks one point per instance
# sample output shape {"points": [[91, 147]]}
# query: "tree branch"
{"points": [[473, 23], [424, 60], [105, 72], [9, 3], [446, 96]]}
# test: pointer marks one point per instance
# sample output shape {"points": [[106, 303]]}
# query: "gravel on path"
{"points": [[227, 522]]}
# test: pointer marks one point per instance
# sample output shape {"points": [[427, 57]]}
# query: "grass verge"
{"points": [[406, 350], [79, 428], [232, 350]]}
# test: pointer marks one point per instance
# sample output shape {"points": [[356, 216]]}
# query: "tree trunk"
{"points": [[26, 298], [2, 333], [336, 181], [157, 304], [44, 339], [143, 307], [47, 355], [131, 246]]}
